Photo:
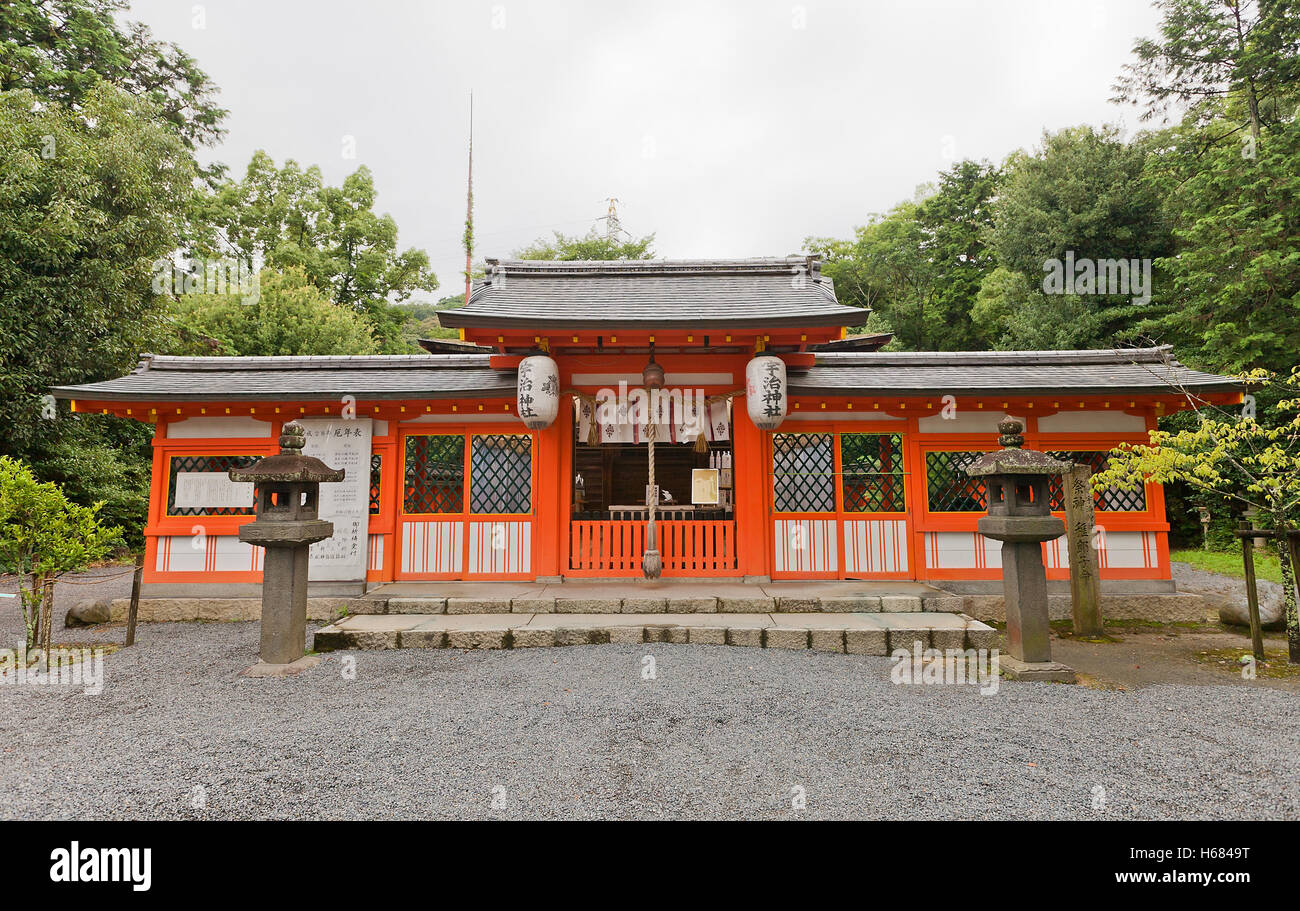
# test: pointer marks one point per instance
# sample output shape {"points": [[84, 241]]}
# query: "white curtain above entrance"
{"points": [[682, 420]]}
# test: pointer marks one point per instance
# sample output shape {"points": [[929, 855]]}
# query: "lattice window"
{"points": [[435, 474], [948, 487], [1112, 499], [872, 472], [803, 472], [501, 473], [218, 465], [376, 476]]}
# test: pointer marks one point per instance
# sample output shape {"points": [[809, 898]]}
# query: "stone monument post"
{"points": [[1080, 519], [288, 491], [1019, 517]]}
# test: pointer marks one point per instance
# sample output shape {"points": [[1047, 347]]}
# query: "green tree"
{"points": [[87, 203], [1233, 280], [423, 310], [42, 536], [1237, 458], [1211, 51], [1082, 192], [288, 218], [1014, 314], [423, 321], [920, 265], [289, 316], [99, 458], [61, 50], [882, 267], [590, 246], [954, 223]]}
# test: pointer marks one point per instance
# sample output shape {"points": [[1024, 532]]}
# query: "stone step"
{"points": [[691, 604], [852, 633]]}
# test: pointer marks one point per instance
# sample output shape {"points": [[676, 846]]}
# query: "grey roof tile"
{"points": [[1010, 372], [313, 378], [432, 376], [633, 294]]}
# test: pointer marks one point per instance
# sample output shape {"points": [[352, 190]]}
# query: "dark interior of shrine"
{"points": [[614, 477]]}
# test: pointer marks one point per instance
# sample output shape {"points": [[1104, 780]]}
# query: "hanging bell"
{"points": [[652, 375]]}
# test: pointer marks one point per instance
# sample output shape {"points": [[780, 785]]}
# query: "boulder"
{"points": [[1235, 613], [1228, 593], [87, 613]]}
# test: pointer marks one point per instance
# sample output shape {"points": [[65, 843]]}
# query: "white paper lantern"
{"points": [[765, 392], [537, 395]]}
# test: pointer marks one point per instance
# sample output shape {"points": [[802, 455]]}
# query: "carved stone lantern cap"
{"points": [[290, 466], [1012, 459]]}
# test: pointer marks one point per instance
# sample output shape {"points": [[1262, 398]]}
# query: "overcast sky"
{"points": [[727, 129]]}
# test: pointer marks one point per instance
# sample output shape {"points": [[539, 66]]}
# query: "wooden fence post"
{"points": [[134, 609], [1293, 542], [1252, 593], [1085, 587], [46, 615]]}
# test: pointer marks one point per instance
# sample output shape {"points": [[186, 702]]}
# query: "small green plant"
{"points": [[42, 536]]}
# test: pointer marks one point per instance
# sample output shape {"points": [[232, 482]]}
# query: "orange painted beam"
{"points": [[799, 359]]}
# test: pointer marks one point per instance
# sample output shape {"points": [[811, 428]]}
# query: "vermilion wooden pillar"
{"points": [[915, 495], [753, 519], [551, 493], [1155, 498], [157, 501]]}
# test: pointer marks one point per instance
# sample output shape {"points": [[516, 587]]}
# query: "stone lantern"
{"points": [[288, 491], [1019, 515]]}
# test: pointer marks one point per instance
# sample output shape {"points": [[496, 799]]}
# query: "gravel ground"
{"points": [[577, 733]]}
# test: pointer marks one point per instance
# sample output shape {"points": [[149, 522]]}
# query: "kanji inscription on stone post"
{"points": [[1085, 589]]}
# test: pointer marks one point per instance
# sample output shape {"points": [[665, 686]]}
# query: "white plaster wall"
{"points": [[875, 545], [1092, 422], [218, 428], [966, 420]]}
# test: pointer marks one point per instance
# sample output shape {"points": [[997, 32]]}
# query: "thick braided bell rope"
{"points": [[650, 442], [651, 562]]}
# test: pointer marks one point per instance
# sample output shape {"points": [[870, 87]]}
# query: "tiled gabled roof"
{"points": [[1011, 372], [430, 376], [309, 378], [654, 294]]}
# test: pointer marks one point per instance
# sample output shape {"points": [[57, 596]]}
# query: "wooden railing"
{"points": [[688, 547]]}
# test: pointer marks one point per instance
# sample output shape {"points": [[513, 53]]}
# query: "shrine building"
{"points": [[783, 446]]}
